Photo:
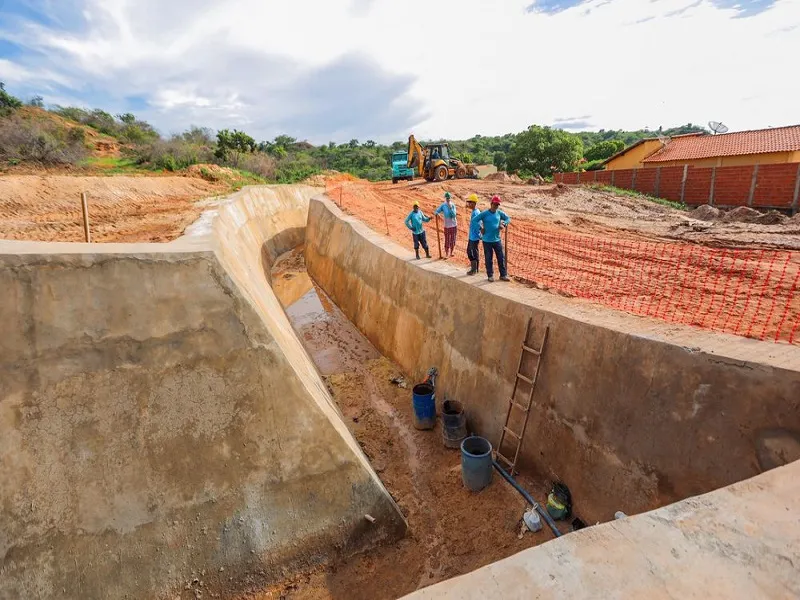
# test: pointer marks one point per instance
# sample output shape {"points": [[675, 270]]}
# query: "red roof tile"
{"points": [[759, 141]]}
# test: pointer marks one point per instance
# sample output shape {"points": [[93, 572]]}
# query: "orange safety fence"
{"points": [[748, 292]]}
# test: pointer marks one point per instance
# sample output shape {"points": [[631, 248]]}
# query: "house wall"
{"points": [[633, 158]]}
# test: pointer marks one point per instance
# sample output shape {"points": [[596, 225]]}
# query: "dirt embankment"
{"points": [[122, 209]]}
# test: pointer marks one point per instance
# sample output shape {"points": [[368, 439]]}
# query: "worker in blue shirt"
{"points": [[474, 235], [414, 222], [493, 220]]}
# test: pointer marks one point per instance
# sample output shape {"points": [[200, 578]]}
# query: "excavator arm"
{"points": [[416, 156]]}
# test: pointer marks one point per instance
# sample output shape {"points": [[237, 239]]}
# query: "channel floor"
{"points": [[451, 531]]}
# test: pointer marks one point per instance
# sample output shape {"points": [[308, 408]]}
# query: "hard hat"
{"points": [[416, 203], [447, 195], [472, 198], [495, 199]]}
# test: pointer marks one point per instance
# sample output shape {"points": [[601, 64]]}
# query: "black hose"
{"points": [[545, 515]]}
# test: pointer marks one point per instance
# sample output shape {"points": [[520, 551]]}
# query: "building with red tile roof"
{"points": [[760, 146]]}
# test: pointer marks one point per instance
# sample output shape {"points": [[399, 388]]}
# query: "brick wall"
{"points": [[765, 186]]}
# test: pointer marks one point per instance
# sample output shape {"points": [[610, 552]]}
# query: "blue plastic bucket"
{"points": [[476, 463], [424, 406]]}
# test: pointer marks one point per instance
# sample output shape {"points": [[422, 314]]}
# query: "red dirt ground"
{"points": [[622, 255]]}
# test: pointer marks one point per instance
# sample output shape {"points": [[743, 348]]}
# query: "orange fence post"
{"points": [[438, 238]]}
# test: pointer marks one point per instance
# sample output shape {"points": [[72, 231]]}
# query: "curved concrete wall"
{"points": [[161, 425], [629, 413]]}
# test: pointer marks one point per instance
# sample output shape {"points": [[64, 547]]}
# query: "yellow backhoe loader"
{"points": [[433, 162]]}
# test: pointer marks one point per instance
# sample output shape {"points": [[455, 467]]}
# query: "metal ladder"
{"points": [[525, 408]]}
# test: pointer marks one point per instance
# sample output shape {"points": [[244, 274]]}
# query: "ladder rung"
{"points": [[531, 350], [508, 431], [520, 406], [521, 376], [504, 459]]}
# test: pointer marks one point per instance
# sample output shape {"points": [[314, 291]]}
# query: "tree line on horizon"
{"points": [[539, 150]]}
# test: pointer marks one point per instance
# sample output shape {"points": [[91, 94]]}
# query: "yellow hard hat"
{"points": [[472, 198], [416, 203]]}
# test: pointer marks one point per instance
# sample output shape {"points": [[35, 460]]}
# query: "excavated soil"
{"points": [[47, 207], [451, 531], [588, 210]]}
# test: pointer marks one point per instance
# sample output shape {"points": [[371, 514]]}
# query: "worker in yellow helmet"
{"points": [[414, 222], [474, 240]]}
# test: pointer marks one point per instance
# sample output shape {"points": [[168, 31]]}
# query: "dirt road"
{"points": [[451, 531], [122, 208]]}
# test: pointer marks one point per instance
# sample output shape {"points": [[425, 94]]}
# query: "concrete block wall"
{"points": [[775, 186], [631, 414]]}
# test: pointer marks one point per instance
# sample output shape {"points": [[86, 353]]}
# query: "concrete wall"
{"points": [[630, 413], [737, 542], [159, 422]]}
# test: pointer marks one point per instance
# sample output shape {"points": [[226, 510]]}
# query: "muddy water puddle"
{"points": [[451, 531]]}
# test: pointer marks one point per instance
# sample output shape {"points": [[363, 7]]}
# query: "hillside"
{"points": [[95, 140]]}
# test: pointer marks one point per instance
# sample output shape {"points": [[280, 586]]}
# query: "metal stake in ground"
{"points": [[385, 218], [85, 206]]}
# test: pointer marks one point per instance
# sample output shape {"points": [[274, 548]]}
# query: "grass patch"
{"points": [[242, 178], [634, 194], [112, 165]]}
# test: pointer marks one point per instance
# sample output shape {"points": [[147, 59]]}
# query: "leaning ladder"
{"points": [[513, 404]]}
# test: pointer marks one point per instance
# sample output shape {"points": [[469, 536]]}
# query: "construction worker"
{"points": [[493, 220], [474, 235], [448, 209], [414, 222]]}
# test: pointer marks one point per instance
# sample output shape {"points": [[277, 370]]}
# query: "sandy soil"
{"points": [[121, 208], [451, 531]]}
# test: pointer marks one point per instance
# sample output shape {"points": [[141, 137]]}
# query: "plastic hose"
{"points": [[545, 515]]}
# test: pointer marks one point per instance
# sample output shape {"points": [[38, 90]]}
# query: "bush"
{"points": [[592, 165], [173, 155], [8, 103], [22, 140], [259, 163]]}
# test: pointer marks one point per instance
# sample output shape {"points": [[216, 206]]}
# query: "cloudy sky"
{"points": [[378, 69]]}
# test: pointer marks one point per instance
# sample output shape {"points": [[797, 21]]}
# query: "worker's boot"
{"points": [[427, 253], [417, 252], [473, 270]]}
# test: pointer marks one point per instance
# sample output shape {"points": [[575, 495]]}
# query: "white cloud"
{"points": [[377, 69]]}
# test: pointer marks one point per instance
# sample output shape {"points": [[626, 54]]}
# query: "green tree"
{"points": [[499, 160], [231, 145], [604, 150], [542, 150], [127, 118], [36, 101]]}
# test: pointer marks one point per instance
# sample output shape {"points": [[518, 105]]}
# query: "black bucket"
{"points": [[454, 423]]}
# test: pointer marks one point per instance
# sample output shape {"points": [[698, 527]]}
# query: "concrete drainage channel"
{"points": [[171, 435], [451, 530]]}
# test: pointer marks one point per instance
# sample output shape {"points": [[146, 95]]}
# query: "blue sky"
{"points": [[340, 69]]}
